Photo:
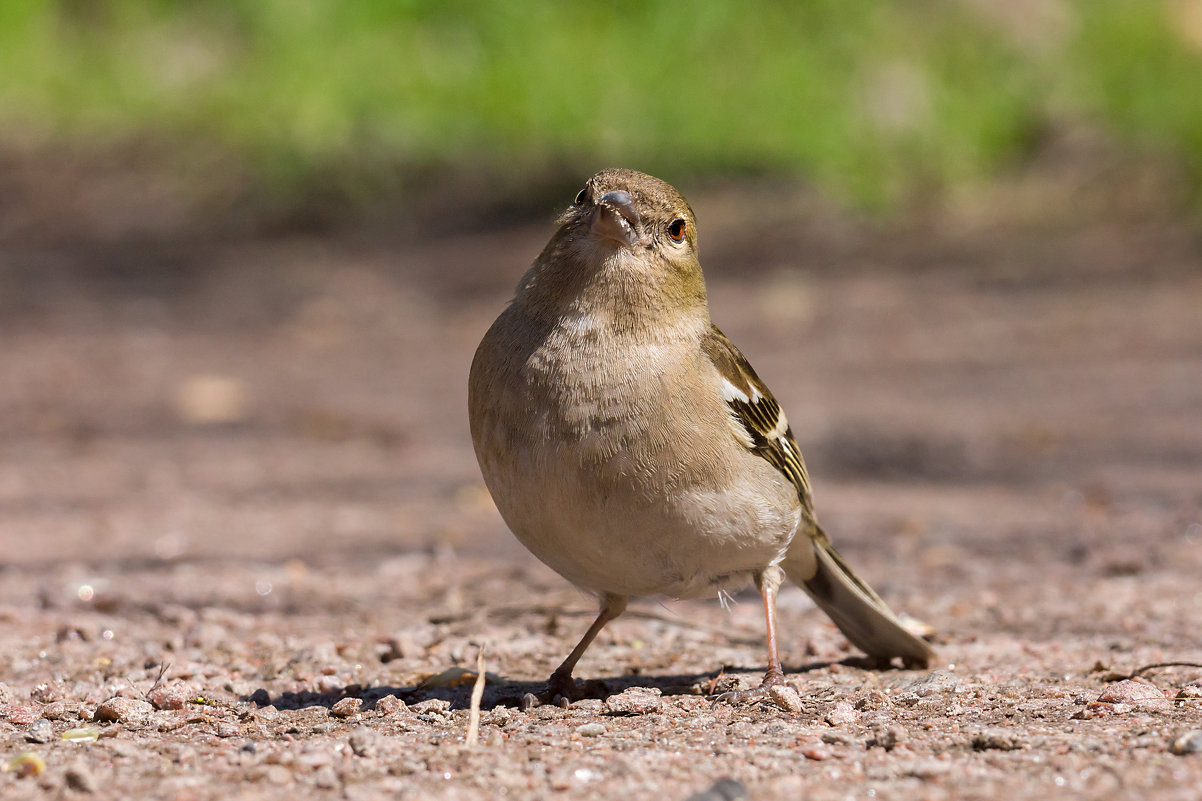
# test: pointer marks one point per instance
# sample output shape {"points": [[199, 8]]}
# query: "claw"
{"points": [[775, 677]]}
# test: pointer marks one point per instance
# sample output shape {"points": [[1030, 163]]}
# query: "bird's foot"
{"points": [[561, 690], [774, 677]]}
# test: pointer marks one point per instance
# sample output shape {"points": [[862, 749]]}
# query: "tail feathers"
{"points": [[858, 611]]}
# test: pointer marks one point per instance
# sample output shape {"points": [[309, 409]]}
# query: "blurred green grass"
{"points": [[874, 102]]}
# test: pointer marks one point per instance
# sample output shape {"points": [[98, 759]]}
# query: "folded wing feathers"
{"points": [[757, 419]]}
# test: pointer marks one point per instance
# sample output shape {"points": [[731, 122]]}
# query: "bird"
{"points": [[631, 447]]}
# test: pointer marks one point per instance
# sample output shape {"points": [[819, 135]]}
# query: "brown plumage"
{"points": [[629, 444]]}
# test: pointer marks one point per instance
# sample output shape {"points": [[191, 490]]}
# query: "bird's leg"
{"points": [[768, 583], [560, 686]]}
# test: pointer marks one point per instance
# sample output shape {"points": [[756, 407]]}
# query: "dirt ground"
{"points": [[242, 522]]}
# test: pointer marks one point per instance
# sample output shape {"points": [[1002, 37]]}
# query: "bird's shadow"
{"points": [[507, 693]]}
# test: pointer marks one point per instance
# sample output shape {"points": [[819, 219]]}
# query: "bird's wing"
{"points": [[758, 422], [756, 418]]}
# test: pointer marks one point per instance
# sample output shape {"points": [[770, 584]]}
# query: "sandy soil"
{"points": [[241, 523]]}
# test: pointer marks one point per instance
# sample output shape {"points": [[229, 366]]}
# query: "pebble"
{"points": [[430, 705], [6, 694], [589, 706], [1189, 742], [935, 682], [124, 710], [80, 779], [634, 701], [330, 684], [169, 696], [873, 699], [363, 741], [816, 753], [1126, 696], [390, 705], [842, 714], [42, 731], [996, 740], [1189, 692], [46, 693], [591, 730], [60, 710], [227, 729], [326, 778], [785, 697], [346, 708], [887, 737], [22, 715]]}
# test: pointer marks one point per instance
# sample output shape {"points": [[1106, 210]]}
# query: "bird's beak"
{"points": [[615, 217]]}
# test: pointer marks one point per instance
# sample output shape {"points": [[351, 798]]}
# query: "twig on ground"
{"points": [[1156, 665], [473, 721], [163, 666]]}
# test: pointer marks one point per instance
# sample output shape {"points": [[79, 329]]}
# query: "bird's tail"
{"points": [[859, 612]]}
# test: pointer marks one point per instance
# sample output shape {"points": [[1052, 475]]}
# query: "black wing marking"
{"points": [[757, 413]]}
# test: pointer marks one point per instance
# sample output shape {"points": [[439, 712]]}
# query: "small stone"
{"points": [[1190, 692], [934, 683], [326, 778], [842, 714], [588, 706], [785, 697], [634, 701], [47, 693], [124, 710], [330, 684], [1189, 742], [1133, 694], [887, 737], [816, 753], [591, 730], [22, 715], [346, 708], [80, 779], [390, 705], [996, 740], [42, 731], [431, 705], [169, 696], [7, 696], [60, 710], [873, 700], [363, 741], [227, 729]]}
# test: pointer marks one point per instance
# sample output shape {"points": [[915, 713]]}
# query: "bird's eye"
{"points": [[676, 230], [580, 198]]}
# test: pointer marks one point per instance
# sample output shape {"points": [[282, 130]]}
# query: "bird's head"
{"points": [[627, 237]]}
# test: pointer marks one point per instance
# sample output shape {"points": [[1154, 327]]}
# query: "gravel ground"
{"points": [[245, 542]]}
